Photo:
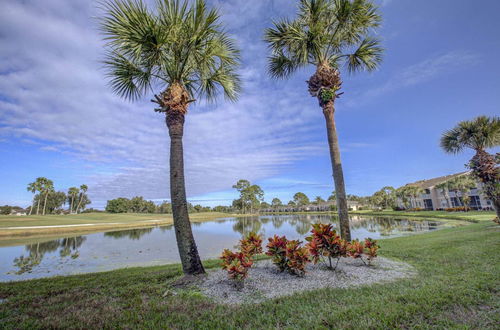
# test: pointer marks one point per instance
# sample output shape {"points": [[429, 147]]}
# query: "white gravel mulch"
{"points": [[264, 281]]}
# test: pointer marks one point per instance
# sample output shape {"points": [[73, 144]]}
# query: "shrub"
{"points": [[297, 257], [496, 220], [457, 209], [324, 242], [288, 255], [251, 244], [276, 248], [237, 265], [371, 249], [357, 249]]}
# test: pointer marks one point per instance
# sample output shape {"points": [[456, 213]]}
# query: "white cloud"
{"points": [[53, 93], [419, 73]]}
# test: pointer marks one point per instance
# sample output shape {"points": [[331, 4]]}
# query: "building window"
{"points": [[427, 191], [475, 201], [428, 204], [455, 202]]}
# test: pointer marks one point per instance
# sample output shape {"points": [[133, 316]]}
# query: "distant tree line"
{"points": [[46, 200], [140, 205], [252, 199]]}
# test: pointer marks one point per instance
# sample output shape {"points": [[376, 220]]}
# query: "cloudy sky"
{"points": [[59, 118]]}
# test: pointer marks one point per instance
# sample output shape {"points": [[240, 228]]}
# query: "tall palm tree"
{"points": [[33, 187], [478, 134], [327, 34], [181, 50], [72, 194], [83, 190], [47, 187]]}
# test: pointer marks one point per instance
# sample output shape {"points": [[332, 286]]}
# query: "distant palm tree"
{"points": [[182, 51], [327, 34], [478, 134], [83, 190], [72, 194], [445, 188], [33, 187], [46, 187]]}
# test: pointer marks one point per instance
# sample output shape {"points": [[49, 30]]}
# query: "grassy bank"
{"points": [[457, 286], [472, 216], [14, 227]]}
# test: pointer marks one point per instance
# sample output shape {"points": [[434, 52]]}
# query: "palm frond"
{"points": [[366, 57], [182, 43]]}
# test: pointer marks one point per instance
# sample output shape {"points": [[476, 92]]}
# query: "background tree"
{"points": [[478, 134], [462, 184], [183, 51], [72, 195], [327, 34], [276, 203], [165, 207], [250, 195], [33, 187], [318, 200], [404, 195], [46, 187], [300, 199], [118, 205], [83, 191], [332, 197], [445, 188]]}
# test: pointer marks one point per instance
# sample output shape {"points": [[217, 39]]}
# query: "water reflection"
{"points": [[148, 246], [68, 247]]}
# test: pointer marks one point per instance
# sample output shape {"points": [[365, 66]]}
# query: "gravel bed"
{"points": [[265, 281]]}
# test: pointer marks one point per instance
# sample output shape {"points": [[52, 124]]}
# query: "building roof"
{"points": [[424, 184]]}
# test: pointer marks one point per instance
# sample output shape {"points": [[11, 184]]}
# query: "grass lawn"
{"points": [[99, 222], [472, 216], [458, 285]]}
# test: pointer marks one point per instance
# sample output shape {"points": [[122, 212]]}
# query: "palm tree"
{"points": [[83, 190], [72, 194], [182, 51], [478, 134], [33, 187], [46, 187], [445, 188], [327, 34]]}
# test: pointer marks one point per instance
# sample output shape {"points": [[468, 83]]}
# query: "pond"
{"points": [[157, 246]]}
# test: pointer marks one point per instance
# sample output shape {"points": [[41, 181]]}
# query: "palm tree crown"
{"points": [[326, 32], [479, 134], [177, 46]]}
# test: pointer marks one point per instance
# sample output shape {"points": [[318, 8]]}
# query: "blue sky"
{"points": [[59, 119]]}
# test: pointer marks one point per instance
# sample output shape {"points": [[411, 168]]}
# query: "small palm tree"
{"points": [[182, 51], [72, 194], [478, 134], [327, 34], [445, 188], [83, 190], [33, 187]]}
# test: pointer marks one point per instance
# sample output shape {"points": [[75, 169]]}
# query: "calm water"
{"points": [[156, 246]]}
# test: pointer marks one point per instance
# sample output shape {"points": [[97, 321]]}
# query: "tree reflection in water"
{"points": [[134, 234], [246, 225], [68, 247]]}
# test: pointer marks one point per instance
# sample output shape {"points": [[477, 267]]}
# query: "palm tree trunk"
{"points": [[338, 175], [38, 204], [79, 202], [45, 202], [71, 206], [190, 259], [32, 206]]}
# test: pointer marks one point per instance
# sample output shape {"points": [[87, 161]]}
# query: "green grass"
{"points": [[472, 216], [457, 286]]}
